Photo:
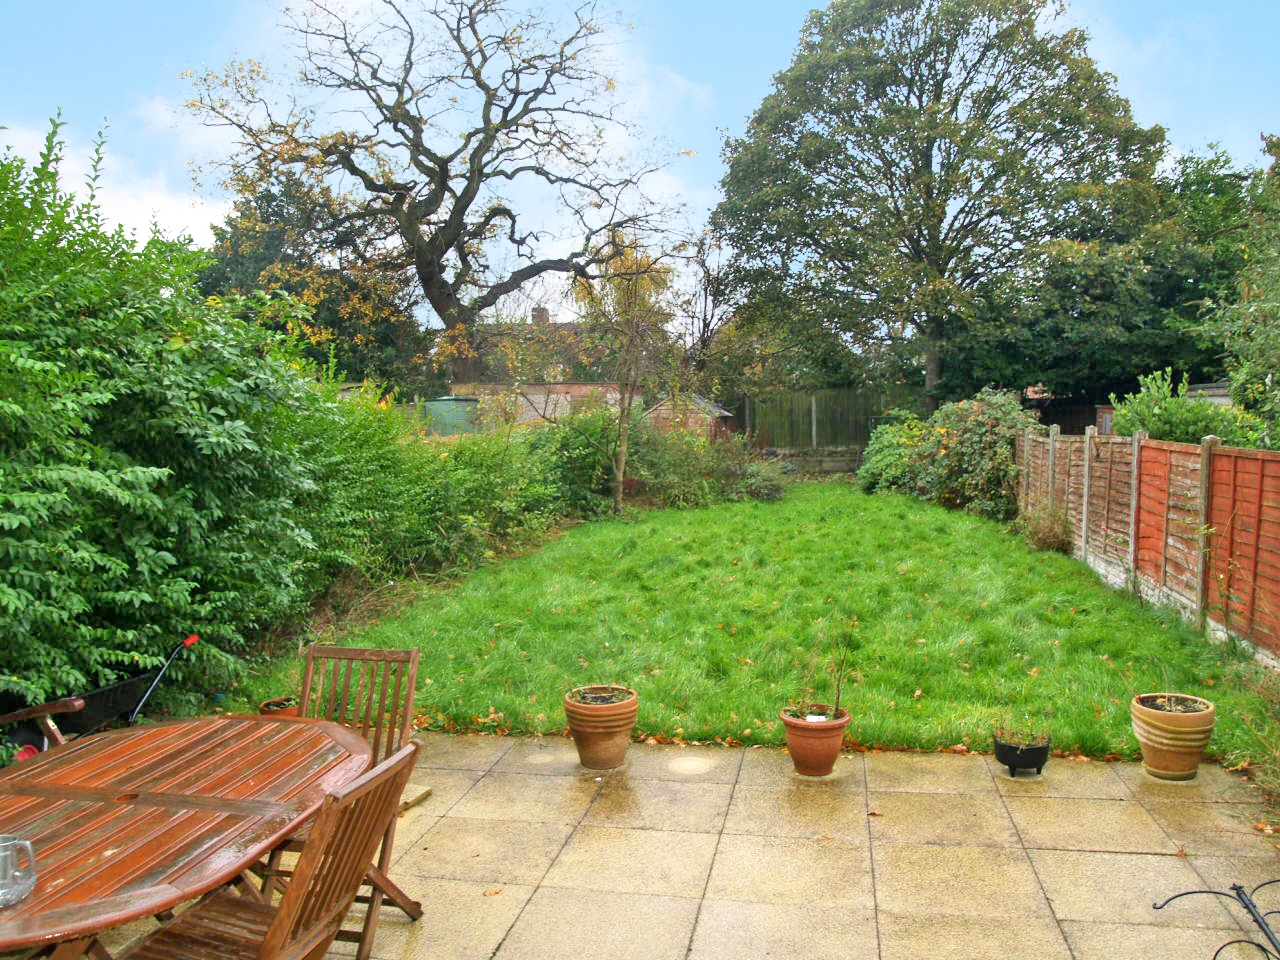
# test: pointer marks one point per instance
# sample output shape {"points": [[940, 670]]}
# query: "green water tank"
{"points": [[445, 416]]}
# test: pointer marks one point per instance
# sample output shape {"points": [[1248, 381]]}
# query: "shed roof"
{"points": [[702, 403]]}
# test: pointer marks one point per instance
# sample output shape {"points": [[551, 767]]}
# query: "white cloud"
{"points": [[127, 194]]}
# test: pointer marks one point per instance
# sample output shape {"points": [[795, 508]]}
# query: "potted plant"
{"points": [[1173, 729], [280, 707], [601, 717], [815, 731], [1022, 749]]}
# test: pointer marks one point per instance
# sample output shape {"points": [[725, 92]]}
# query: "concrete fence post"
{"points": [[1204, 536], [1054, 431], [1090, 434]]}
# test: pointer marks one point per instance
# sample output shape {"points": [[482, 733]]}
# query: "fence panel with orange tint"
{"points": [[1244, 544]]}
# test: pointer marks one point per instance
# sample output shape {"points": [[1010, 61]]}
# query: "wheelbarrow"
{"points": [[34, 728]]}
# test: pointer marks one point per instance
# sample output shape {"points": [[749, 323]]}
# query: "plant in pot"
{"points": [[1172, 729], [280, 707], [1024, 749], [815, 731], [601, 717]]}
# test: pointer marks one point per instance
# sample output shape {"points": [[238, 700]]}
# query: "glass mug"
{"points": [[15, 882]]}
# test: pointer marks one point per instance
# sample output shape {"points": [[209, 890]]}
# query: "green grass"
{"points": [[719, 616]]}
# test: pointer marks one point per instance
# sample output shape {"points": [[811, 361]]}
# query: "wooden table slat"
{"points": [[131, 822]]}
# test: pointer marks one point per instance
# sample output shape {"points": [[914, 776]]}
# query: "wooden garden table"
{"points": [[129, 823]]}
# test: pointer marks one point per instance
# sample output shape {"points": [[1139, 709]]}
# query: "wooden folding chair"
{"points": [[41, 718], [370, 691], [228, 925]]}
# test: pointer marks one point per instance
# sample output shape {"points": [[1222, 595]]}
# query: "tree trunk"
{"points": [[616, 482], [932, 361]]}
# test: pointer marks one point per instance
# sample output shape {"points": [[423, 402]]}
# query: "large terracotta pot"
{"points": [[1172, 741], [815, 744], [601, 731]]}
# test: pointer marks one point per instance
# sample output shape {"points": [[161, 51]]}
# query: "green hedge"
{"points": [[143, 493]]}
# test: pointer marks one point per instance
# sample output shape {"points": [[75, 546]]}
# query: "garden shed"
{"points": [[696, 414]]}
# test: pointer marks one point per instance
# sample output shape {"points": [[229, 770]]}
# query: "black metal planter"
{"points": [[1021, 757]]}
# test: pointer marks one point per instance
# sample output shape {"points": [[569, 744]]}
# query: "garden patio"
{"points": [[718, 853]]}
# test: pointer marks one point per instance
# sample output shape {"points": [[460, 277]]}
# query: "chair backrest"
{"points": [[368, 690], [338, 851]]}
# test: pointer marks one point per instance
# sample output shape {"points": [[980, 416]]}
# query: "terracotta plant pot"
{"points": [[279, 707], [601, 731], [815, 744], [1172, 739]]}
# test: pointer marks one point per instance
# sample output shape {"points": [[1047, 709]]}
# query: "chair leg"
{"points": [[384, 886], [380, 886], [370, 928], [271, 873]]}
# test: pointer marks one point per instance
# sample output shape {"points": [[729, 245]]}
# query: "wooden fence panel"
{"points": [[1036, 465], [837, 417], [1110, 498], [1153, 506], [1068, 484], [1244, 544], [1169, 517]]}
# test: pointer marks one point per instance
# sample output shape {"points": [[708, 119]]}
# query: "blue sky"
{"points": [[1205, 69]]}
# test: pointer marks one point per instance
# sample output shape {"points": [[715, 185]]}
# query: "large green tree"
{"points": [[1121, 291], [915, 152], [482, 135], [1249, 322]]}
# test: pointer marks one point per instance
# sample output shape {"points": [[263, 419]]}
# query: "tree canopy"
{"points": [[1121, 291], [916, 152], [288, 231], [1249, 322], [467, 128]]}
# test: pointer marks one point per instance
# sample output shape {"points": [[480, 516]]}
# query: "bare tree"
{"points": [[703, 297], [468, 125]]}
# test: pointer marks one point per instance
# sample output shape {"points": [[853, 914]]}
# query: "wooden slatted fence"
{"points": [[1195, 526]]}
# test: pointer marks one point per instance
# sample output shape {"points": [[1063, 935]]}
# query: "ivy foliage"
{"points": [[143, 493]]}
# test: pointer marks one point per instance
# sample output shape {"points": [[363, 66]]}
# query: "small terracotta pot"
{"points": [[1172, 743], [275, 707], [601, 731], [815, 744]]}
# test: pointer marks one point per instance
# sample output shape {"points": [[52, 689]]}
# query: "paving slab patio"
{"points": [[708, 853]]}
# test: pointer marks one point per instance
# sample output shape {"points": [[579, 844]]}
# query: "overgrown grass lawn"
{"points": [[719, 616]]}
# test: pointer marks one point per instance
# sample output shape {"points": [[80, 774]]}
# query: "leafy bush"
{"points": [[893, 456], [577, 455], [968, 454], [1168, 413], [143, 490], [682, 468], [765, 480], [962, 457], [387, 501], [1048, 528]]}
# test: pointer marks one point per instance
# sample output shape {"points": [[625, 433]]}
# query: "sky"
{"points": [[1204, 69]]}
